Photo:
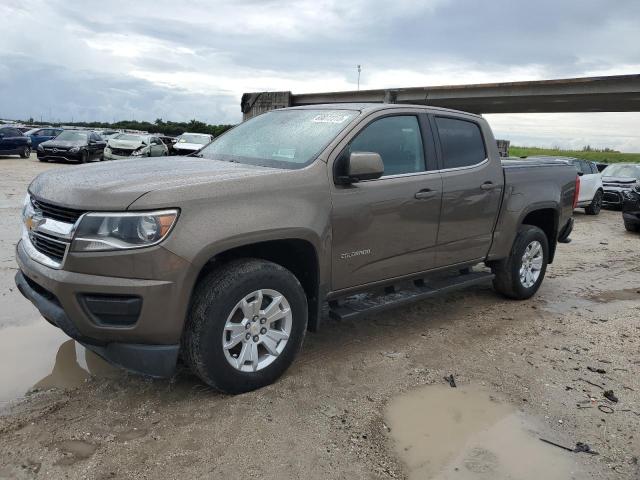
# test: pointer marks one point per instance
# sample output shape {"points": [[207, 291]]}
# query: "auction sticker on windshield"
{"points": [[330, 118]]}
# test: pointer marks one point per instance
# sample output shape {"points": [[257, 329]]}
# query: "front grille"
{"points": [[122, 152], [62, 214], [49, 246], [612, 197]]}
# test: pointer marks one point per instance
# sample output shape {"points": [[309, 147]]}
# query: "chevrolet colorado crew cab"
{"points": [[225, 259]]}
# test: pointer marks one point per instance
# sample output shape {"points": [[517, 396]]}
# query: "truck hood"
{"points": [[188, 146], [618, 181], [116, 185]]}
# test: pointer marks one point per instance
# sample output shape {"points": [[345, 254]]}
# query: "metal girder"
{"points": [[619, 93]]}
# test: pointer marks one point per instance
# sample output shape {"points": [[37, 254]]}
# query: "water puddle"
{"points": [[617, 295], [40, 356], [464, 433]]}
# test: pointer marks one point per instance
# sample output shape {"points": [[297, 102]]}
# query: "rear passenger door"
{"points": [[588, 181], [472, 185], [386, 227]]}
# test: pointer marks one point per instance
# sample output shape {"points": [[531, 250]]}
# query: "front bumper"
{"points": [[60, 155], [109, 155], [149, 345]]}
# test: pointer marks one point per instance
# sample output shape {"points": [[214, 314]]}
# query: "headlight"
{"points": [[40, 148], [139, 151], [27, 208], [121, 231], [74, 149]]}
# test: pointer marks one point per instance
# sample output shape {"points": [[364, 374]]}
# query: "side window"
{"points": [[461, 142], [95, 137], [585, 167], [594, 167], [397, 140], [13, 132]]}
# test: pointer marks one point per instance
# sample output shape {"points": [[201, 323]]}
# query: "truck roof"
{"points": [[372, 106]]}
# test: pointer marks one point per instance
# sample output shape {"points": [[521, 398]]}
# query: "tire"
{"points": [[596, 204], [508, 281], [84, 158], [26, 153], [217, 304], [631, 227]]}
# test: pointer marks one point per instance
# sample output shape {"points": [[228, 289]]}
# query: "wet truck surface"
{"points": [[225, 259]]}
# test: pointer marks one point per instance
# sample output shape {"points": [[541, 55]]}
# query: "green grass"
{"points": [[606, 157]]}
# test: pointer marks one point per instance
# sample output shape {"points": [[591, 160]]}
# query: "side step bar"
{"points": [[367, 303]]}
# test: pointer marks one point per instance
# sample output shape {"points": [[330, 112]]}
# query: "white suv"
{"points": [[591, 191]]}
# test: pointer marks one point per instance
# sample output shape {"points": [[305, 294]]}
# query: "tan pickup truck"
{"points": [[225, 259]]}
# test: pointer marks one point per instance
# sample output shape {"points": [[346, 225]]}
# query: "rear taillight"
{"points": [[576, 194]]}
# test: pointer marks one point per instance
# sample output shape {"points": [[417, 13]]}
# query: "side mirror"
{"points": [[364, 166], [580, 173]]}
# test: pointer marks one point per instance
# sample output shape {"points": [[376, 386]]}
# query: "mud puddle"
{"points": [[38, 356], [464, 433]]}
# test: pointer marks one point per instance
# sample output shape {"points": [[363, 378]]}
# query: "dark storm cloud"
{"points": [[123, 59], [54, 93]]}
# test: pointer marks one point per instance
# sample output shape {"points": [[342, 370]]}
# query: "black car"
{"points": [[73, 145], [631, 208], [14, 142], [617, 179]]}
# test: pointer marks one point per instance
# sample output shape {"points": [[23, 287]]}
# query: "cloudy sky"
{"points": [[112, 60]]}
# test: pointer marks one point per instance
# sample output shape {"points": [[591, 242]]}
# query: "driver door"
{"points": [[387, 227]]}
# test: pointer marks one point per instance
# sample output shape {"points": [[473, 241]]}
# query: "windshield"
{"points": [[191, 138], [130, 138], [632, 171], [72, 136], [283, 139]]}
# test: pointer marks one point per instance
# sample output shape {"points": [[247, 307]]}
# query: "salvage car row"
{"points": [[76, 145]]}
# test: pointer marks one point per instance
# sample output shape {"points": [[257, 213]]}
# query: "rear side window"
{"points": [[594, 167], [397, 140], [461, 142]]}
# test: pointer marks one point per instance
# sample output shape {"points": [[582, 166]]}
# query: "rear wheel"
{"points": [[520, 275], [245, 326], [596, 204], [26, 152]]}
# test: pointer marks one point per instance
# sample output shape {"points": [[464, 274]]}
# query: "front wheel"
{"points": [[596, 204], [26, 152], [84, 156], [246, 325], [521, 274], [631, 227]]}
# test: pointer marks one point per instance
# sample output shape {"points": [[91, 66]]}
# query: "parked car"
{"points": [[39, 135], [107, 134], [616, 179], [72, 145], [14, 142], [631, 208], [191, 142], [168, 141], [228, 257], [127, 145]]}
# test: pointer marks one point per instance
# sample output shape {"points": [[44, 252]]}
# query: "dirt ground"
{"points": [[328, 416]]}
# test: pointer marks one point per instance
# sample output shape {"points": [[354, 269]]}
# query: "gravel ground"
{"points": [[326, 417]]}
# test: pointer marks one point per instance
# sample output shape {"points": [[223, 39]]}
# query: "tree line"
{"points": [[159, 126]]}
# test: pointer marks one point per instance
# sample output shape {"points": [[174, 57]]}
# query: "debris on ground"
{"points": [[579, 448], [596, 370], [605, 409], [451, 381], [609, 395]]}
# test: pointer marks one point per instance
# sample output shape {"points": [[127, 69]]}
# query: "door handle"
{"points": [[488, 186], [424, 194]]}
